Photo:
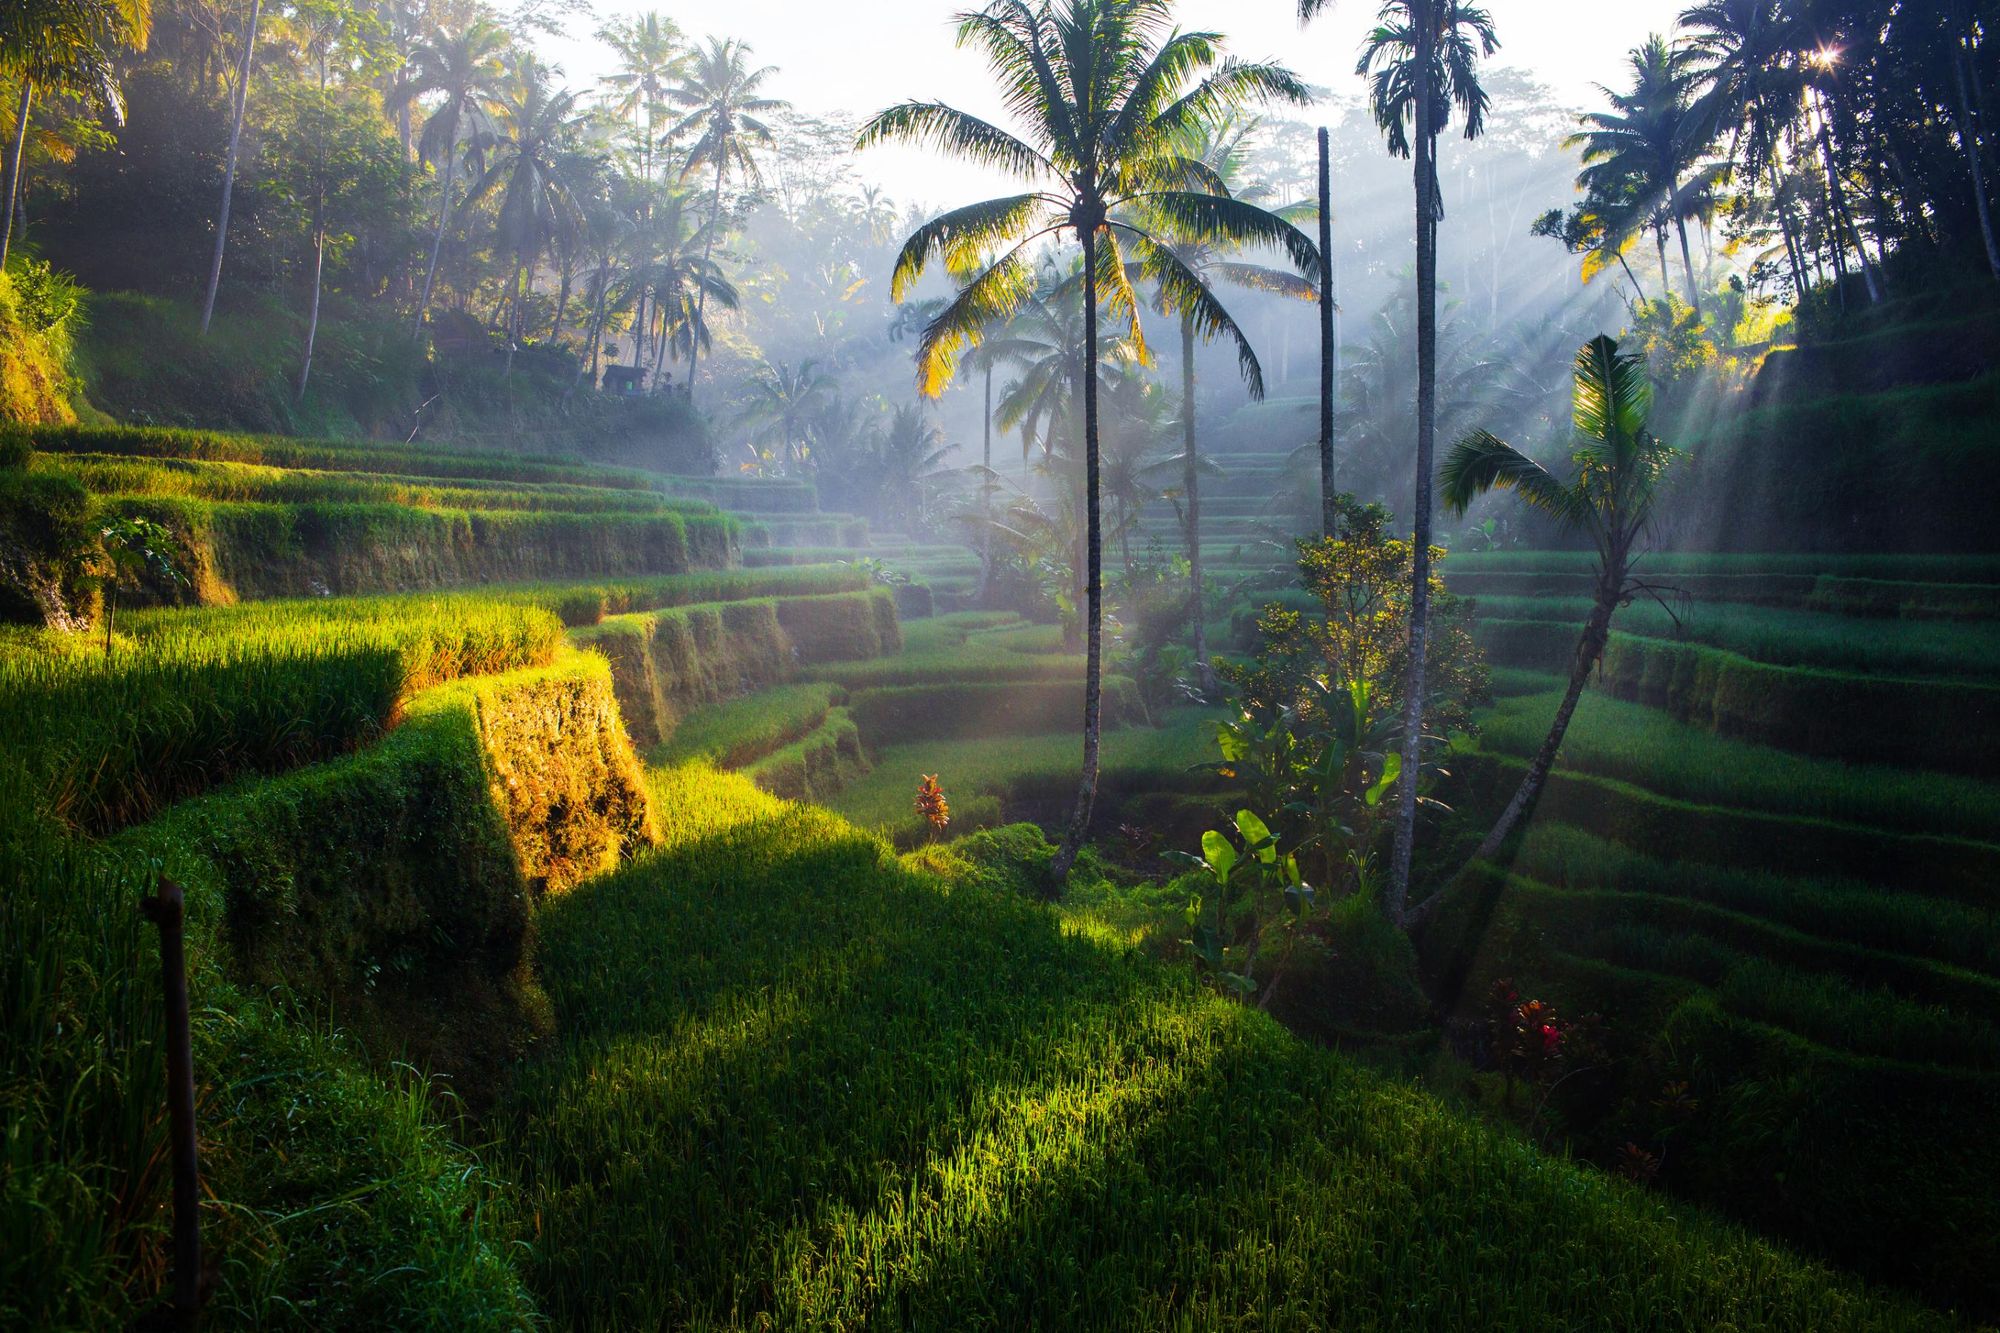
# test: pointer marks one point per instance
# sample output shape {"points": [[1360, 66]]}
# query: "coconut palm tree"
{"points": [[1744, 52], [1220, 149], [722, 111], [650, 54], [1422, 61], [1107, 92], [672, 265], [1647, 152], [464, 67], [784, 397], [533, 125], [1618, 465], [61, 46]]}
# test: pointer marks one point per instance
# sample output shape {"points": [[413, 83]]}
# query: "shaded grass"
{"points": [[1785, 636], [981, 775], [779, 1101], [1636, 744]]}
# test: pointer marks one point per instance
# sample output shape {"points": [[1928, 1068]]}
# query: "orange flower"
{"points": [[931, 803]]}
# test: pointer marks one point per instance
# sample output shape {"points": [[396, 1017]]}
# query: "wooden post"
{"points": [[167, 911], [1329, 508]]}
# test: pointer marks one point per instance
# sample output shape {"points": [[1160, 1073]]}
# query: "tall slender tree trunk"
{"points": [[1329, 509], [1589, 648], [1397, 900], [1093, 591], [16, 156], [707, 258], [641, 319], [1794, 246], [1843, 216], [444, 219], [986, 497], [1666, 281], [229, 166], [1191, 490], [319, 240], [562, 296], [1968, 133]]}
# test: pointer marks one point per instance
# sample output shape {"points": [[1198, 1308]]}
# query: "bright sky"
{"points": [[861, 56]]}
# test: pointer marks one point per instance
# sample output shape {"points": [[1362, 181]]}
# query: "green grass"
{"points": [[209, 480], [731, 735], [980, 774], [1785, 636], [330, 455], [1831, 908], [801, 1083], [1917, 568], [1630, 743], [190, 700]]}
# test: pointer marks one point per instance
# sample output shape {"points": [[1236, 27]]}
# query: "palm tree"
{"points": [[674, 266], [650, 57], [1108, 91], [1646, 152], [465, 67], [904, 461], [64, 46], [723, 110], [783, 399], [1220, 151], [532, 127], [229, 163], [1422, 60], [1618, 467], [1744, 53]]}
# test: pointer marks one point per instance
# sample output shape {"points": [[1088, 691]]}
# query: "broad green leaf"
{"points": [[1221, 857], [1257, 835], [1392, 768]]}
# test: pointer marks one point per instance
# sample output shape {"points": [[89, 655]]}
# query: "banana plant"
{"points": [[1243, 865]]}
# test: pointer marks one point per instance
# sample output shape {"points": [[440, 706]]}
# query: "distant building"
{"points": [[628, 381]]}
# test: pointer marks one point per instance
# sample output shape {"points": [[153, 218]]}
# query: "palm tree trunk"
{"points": [[1794, 246], [1687, 259], [707, 259], [1328, 510], [1093, 668], [444, 220], [562, 298], [1968, 133], [1425, 151], [16, 155], [1666, 282], [1191, 490], [229, 167], [1589, 648]]}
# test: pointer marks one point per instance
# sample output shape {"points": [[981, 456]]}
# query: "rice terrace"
{"points": [[1052, 665]]}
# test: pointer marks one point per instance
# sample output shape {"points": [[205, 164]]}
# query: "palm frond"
{"points": [[960, 237], [965, 136], [1481, 462]]}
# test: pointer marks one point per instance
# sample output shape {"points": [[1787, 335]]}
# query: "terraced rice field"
{"points": [[1769, 856]]}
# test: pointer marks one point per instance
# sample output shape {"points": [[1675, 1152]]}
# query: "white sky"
{"points": [[866, 54]]}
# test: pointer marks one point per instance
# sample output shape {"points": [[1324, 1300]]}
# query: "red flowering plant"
{"points": [[931, 803], [1531, 1043]]}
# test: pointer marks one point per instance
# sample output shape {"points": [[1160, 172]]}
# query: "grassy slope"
{"points": [[777, 1100]]}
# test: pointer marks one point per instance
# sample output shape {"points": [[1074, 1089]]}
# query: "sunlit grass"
{"points": [[801, 1084]]}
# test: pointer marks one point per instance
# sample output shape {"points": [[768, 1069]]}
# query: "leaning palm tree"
{"points": [[722, 112], [464, 67], [61, 46], [1221, 150], [1422, 60], [1647, 151], [1618, 467], [1107, 91]]}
